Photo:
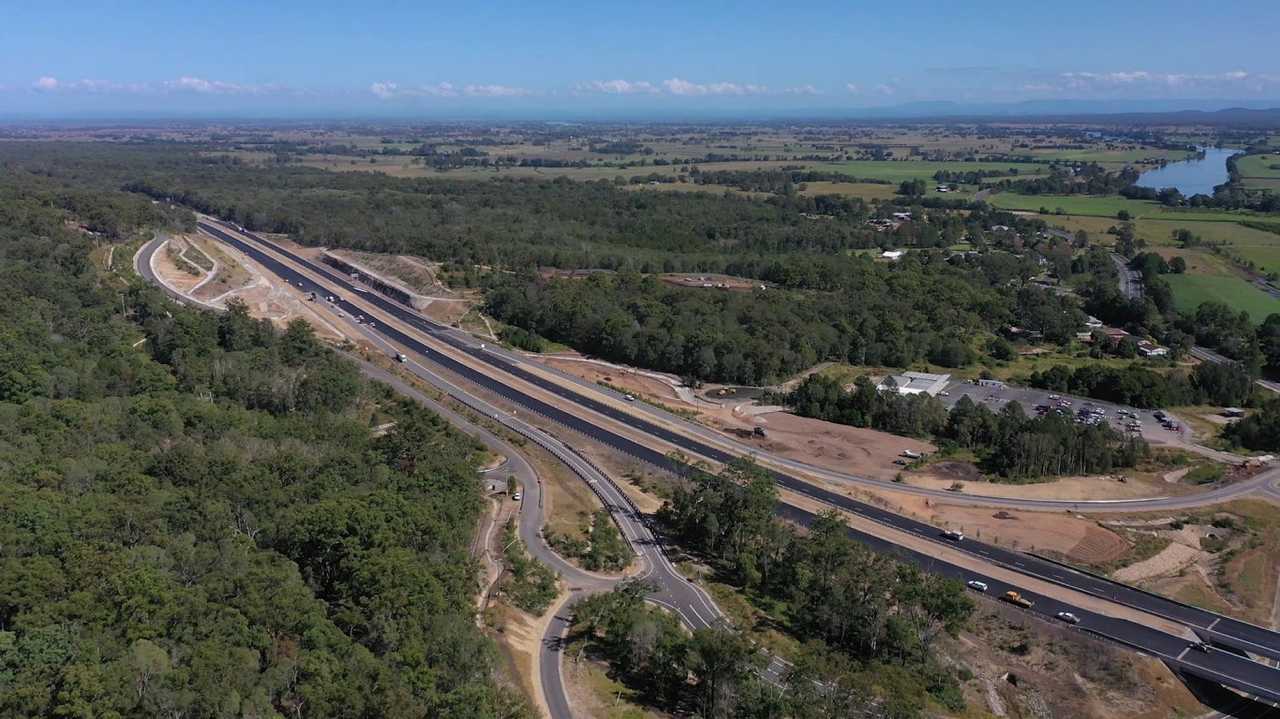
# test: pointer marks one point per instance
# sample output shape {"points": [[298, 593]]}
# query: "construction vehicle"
{"points": [[1016, 598], [759, 432]]}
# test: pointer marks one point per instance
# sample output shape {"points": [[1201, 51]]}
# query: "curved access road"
{"points": [[686, 600], [593, 416]]}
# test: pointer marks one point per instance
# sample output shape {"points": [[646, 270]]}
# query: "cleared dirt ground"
{"points": [[1027, 667], [265, 296], [855, 450], [943, 474], [639, 384]]}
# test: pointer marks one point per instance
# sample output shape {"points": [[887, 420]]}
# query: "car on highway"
{"points": [[1200, 646], [1068, 617], [630, 397], [401, 358], [976, 586], [953, 535]]}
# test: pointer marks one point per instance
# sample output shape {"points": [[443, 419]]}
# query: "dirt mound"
{"points": [[951, 469], [1099, 546], [1170, 560]]}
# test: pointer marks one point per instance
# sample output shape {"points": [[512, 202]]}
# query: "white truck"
{"points": [[911, 454]]}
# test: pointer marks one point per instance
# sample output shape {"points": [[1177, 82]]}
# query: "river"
{"points": [[1192, 177]]}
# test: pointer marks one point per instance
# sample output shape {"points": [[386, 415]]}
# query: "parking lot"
{"points": [[995, 397]]}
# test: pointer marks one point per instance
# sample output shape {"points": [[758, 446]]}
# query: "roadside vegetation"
{"points": [[868, 624], [526, 582]]}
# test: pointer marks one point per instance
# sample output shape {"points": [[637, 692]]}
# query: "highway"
{"points": [[1221, 666], [686, 600], [1255, 485]]}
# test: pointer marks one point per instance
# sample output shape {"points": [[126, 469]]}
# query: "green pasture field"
{"points": [[1190, 290], [1259, 166], [1105, 156], [1258, 246], [1110, 206], [898, 171]]}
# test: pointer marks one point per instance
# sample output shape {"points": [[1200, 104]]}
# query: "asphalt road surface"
{"points": [[687, 601], [1225, 667]]}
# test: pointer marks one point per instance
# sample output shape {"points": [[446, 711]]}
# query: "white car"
{"points": [[1068, 617], [515, 497], [953, 535], [976, 586]]}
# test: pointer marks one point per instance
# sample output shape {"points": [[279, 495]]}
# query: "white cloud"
{"points": [[390, 90], [618, 87], [676, 86], [495, 91], [802, 90], [852, 88], [885, 89], [384, 90], [1146, 81], [187, 83]]}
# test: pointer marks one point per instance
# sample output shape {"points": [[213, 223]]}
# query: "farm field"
{"points": [[865, 190], [1108, 206], [1190, 290], [1104, 156], [1259, 166], [1256, 183], [898, 171], [1257, 246]]}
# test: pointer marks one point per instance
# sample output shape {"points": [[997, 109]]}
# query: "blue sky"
{"points": [[419, 58]]}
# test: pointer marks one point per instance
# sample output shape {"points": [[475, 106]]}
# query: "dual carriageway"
{"points": [[649, 434]]}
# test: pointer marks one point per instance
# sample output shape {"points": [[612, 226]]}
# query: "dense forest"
{"points": [[1007, 443], [919, 309], [196, 519], [1137, 386]]}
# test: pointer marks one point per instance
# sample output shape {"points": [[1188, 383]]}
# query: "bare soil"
{"points": [[230, 274], [1028, 667], [1170, 560], [640, 384], [942, 474], [710, 281], [266, 296], [855, 450]]}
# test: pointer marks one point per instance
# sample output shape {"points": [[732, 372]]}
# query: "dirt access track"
{"points": [[266, 296]]}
